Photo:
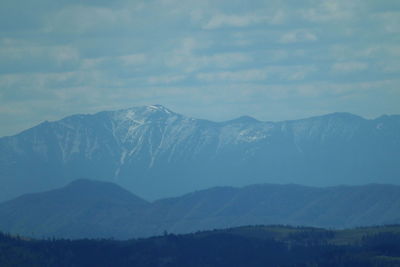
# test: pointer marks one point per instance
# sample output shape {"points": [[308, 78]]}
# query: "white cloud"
{"points": [[329, 11], [390, 67], [223, 20], [275, 73], [133, 59], [298, 36], [65, 54], [220, 20], [390, 21], [82, 19], [188, 57], [113, 61], [90, 63], [165, 79], [29, 51], [349, 66], [336, 89], [365, 51], [234, 76]]}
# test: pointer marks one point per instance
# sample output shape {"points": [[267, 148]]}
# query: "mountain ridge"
{"points": [[147, 148], [240, 118], [94, 209]]}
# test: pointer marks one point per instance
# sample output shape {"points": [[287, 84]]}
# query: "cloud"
{"points": [[298, 36], [189, 57], [129, 60], [133, 59], [81, 19], [273, 74], [390, 21], [233, 76], [349, 66], [390, 66], [193, 62], [165, 79], [223, 20], [369, 51], [25, 56], [328, 11], [293, 57]]}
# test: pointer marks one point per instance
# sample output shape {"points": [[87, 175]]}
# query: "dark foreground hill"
{"points": [[102, 210], [83, 208], [236, 247], [158, 153]]}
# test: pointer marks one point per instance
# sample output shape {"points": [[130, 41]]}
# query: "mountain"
{"points": [[221, 207], [155, 152], [95, 209], [82, 208]]}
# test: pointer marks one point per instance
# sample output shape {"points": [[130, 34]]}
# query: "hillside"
{"points": [[244, 246], [102, 210], [81, 209]]}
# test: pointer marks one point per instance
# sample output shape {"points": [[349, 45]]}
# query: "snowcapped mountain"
{"points": [[156, 152]]}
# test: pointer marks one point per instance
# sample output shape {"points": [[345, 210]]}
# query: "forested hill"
{"points": [[93, 209], [244, 246]]}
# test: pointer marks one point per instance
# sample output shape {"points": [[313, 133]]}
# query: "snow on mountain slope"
{"points": [[156, 152]]}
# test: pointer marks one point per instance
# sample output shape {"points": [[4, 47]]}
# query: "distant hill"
{"points": [[82, 208], [253, 246], [95, 209], [157, 153]]}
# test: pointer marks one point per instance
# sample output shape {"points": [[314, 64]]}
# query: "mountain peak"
{"points": [[158, 107], [85, 188], [84, 183], [143, 113], [153, 109]]}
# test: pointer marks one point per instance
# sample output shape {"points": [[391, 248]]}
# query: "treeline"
{"points": [[246, 246]]}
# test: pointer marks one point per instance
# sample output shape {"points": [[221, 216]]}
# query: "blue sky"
{"points": [[273, 60]]}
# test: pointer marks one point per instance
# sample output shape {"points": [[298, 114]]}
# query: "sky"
{"points": [[273, 60]]}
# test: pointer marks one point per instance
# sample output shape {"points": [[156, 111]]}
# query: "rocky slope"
{"points": [[156, 153]]}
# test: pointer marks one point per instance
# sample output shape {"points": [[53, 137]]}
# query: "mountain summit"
{"points": [[156, 152]]}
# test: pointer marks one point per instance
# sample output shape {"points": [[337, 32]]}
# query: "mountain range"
{"points": [[93, 209], [155, 152]]}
